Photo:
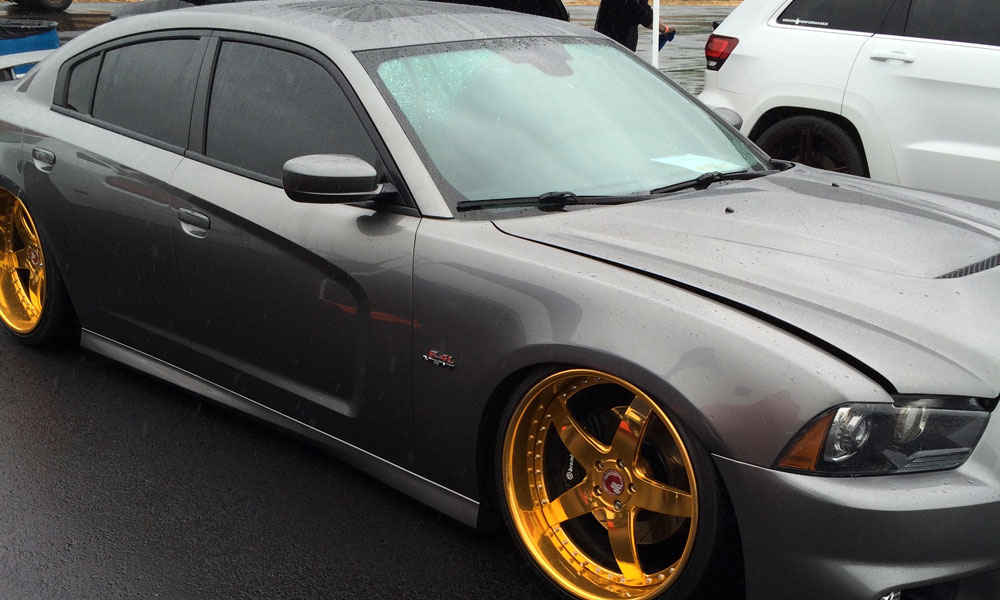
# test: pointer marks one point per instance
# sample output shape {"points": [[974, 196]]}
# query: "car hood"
{"points": [[898, 279]]}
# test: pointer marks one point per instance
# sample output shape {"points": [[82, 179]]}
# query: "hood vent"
{"points": [[972, 269]]}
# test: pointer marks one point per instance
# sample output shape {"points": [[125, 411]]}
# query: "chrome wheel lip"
{"points": [[552, 550], [21, 308]]}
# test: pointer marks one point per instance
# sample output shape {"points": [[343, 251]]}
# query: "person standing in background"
{"points": [[619, 20]]}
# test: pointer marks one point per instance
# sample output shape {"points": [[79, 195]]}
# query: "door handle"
{"points": [[193, 222], [44, 159], [891, 55]]}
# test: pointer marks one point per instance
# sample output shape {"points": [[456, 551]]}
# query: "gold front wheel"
{"points": [[22, 268], [599, 486]]}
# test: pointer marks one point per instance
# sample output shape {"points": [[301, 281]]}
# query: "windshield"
{"points": [[517, 118]]}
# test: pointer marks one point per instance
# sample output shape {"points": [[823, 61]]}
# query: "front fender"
{"points": [[497, 305]]}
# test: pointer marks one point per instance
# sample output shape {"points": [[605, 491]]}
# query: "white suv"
{"points": [[906, 91]]}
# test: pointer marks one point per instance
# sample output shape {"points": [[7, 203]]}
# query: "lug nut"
{"points": [[620, 463], [631, 488], [618, 504], [599, 465], [597, 490]]}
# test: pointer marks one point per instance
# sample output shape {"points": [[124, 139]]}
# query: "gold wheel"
{"points": [[599, 486], [22, 268]]}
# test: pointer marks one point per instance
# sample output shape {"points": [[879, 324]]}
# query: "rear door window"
{"points": [[148, 88], [845, 15], [269, 105], [973, 21], [82, 81]]}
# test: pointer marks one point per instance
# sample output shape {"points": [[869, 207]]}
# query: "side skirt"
{"points": [[449, 502]]}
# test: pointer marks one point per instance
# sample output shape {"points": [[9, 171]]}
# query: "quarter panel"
{"points": [[865, 117], [10, 137], [106, 206], [787, 56]]}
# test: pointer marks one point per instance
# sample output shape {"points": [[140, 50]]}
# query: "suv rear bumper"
{"points": [[711, 97]]}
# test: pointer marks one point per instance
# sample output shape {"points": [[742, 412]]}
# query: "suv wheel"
{"points": [[813, 141], [45, 5]]}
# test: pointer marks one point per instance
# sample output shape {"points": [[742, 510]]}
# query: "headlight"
{"points": [[913, 434]]}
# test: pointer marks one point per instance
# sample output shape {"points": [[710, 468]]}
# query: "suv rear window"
{"points": [[973, 21], [846, 15]]}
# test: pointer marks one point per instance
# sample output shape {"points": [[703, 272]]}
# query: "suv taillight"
{"points": [[717, 50]]}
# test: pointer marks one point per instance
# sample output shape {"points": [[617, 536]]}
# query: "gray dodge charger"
{"points": [[503, 265]]}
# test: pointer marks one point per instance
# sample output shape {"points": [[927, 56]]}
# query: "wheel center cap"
{"points": [[613, 482], [33, 257]]}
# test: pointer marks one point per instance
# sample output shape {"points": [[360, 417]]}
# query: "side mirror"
{"points": [[729, 116], [330, 179]]}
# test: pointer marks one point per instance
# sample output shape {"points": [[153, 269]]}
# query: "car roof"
{"points": [[365, 24]]}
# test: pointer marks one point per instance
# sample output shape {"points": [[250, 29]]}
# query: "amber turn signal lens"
{"points": [[805, 451]]}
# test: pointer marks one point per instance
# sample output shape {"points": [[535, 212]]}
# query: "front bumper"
{"points": [[858, 538]]}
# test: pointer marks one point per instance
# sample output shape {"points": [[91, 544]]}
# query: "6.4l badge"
{"points": [[440, 359]]}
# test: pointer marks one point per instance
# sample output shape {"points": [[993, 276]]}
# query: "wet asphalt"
{"points": [[117, 486], [114, 485]]}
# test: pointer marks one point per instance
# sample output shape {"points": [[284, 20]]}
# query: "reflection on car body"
{"points": [[442, 242]]}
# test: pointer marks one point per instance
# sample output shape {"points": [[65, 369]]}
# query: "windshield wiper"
{"points": [[553, 201], [706, 179], [549, 201]]}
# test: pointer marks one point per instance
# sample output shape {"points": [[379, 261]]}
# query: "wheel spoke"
{"points": [[24, 227], [572, 503], [584, 448], [631, 430], [36, 289], [21, 259], [659, 498], [806, 146], [621, 532]]}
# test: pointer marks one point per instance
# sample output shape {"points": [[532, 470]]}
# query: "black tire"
{"points": [[54, 5], [814, 141], [51, 321], [675, 557], [45, 5]]}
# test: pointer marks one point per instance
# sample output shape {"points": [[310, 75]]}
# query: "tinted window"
{"points": [[148, 88], [975, 21], [82, 80], [849, 15], [268, 106]]}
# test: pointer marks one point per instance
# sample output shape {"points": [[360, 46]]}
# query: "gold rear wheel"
{"points": [[22, 267], [599, 486]]}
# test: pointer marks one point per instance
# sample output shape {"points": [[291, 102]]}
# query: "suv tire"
{"points": [[814, 141]]}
